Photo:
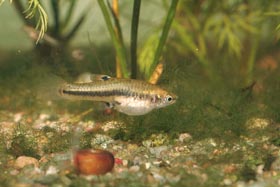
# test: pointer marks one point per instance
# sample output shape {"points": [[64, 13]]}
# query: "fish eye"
{"points": [[169, 98], [105, 77]]}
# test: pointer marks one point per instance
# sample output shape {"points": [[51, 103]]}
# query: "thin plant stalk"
{"points": [[251, 61], [117, 27], [164, 34], [119, 47], [133, 40], [69, 13], [75, 28], [115, 10], [55, 9]]}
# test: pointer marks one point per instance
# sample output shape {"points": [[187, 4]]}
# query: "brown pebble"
{"points": [[23, 161], [93, 162], [228, 169]]}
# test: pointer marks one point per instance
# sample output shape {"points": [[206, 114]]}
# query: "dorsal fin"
{"points": [[89, 77]]}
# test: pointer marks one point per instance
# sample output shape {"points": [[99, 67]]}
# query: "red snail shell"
{"points": [[93, 162]]}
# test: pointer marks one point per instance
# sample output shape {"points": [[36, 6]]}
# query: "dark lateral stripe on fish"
{"points": [[103, 93]]}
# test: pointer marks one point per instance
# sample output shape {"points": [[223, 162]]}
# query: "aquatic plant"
{"points": [[148, 65], [49, 38], [223, 35]]}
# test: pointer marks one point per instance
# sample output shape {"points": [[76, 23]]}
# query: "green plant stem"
{"points": [[133, 40], [120, 50], [117, 24], [69, 13], [75, 28], [164, 34], [251, 61], [55, 9]]}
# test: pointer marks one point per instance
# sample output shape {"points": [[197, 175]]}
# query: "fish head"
{"points": [[165, 99]]}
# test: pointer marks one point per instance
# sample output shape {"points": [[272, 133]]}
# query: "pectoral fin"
{"points": [[111, 104]]}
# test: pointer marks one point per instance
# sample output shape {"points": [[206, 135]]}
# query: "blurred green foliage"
{"points": [[224, 33], [227, 36], [52, 39]]}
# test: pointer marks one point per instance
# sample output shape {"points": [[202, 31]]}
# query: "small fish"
{"points": [[129, 96]]}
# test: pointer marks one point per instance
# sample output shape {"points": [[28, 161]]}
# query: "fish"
{"points": [[129, 96]]}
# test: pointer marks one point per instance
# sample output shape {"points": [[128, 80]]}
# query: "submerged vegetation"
{"points": [[220, 58]]}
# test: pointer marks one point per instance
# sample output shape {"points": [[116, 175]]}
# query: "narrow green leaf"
{"points": [[75, 28], [55, 9], [69, 13], [164, 34], [133, 40], [120, 51], [147, 54]]}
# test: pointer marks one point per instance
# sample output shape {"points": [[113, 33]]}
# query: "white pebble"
{"points": [[52, 170], [147, 165]]}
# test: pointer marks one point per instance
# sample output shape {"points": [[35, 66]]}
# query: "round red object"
{"points": [[93, 162]]}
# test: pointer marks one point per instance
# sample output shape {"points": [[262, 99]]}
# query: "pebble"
{"points": [[18, 117], [125, 162], [157, 150], [184, 137], [23, 161], [134, 168], [101, 140], [158, 177], [52, 170], [227, 182], [257, 123], [147, 165], [275, 165]]}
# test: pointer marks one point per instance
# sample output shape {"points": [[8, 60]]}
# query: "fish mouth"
{"points": [[175, 97]]}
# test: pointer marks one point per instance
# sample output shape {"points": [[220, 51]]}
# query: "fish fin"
{"points": [[84, 78], [89, 77], [111, 104]]}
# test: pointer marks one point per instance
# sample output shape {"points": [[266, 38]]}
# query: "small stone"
{"points": [[44, 117], [227, 182], [230, 168], [101, 140], [134, 168], [158, 177], [147, 165], [14, 172], [111, 125], [184, 137], [23, 161], [158, 150], [151, 179], [260, 169], [52, 170], [275, 165], [147, 143], [18, 117], [125, 162], [257, 123]]}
